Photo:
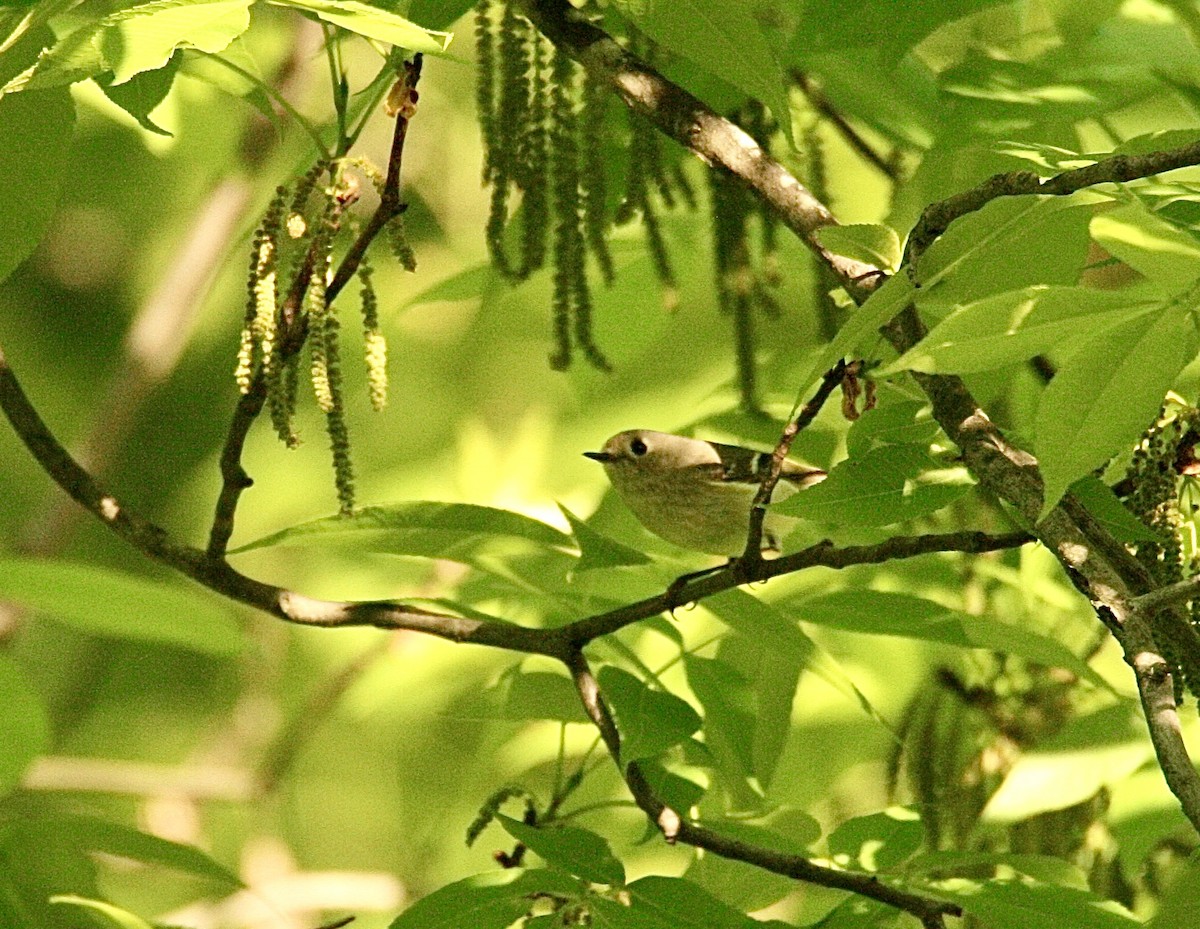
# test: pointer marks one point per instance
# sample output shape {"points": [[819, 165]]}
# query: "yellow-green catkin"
{"points": [[572, 298], [824, 281], [533, 163], [594, 171], [257, 342], [734, 278], [1153, 497], [374, 343], [485, 81]]}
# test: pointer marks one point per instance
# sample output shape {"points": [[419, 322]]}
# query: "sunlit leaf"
{"points": [[1161, 251], [375, 22], [877, 841], [493, 900], [1107, 393], [113, 915], [874, 245]]}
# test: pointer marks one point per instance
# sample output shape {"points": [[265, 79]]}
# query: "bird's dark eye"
{"points": [[638, 447]]}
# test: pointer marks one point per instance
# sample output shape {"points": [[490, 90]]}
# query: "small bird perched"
{"points": [[698, 494]]}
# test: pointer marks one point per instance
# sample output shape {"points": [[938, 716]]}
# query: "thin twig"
{"points": [[677, 829], [758, 510], [853, 137]]}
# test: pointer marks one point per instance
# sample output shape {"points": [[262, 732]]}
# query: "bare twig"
{"points": [[758, 509], [675, 828], [936, 217], [234, 479], [853, 137]]}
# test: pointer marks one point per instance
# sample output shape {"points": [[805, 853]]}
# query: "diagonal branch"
{"points": [[234, 479], [677, 829]]}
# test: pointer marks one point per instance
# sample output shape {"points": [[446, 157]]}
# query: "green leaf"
{"points": [[1011, 327], [730, 714], [873, 244], [905, 423], [682, 904], [598, 550], [1110, 512], [650, 721], [1088, 754], [493, 900], [1107, 392], [143, 38], [762, 622], [1027, 904], [537, 695], [877, 841], [113, 914], [98, 835], [136, 39], [103, 602], [455, 531], [1011, 243], [861, 329], [1161, 251], [142, 93], [24, 724], [676, 791], [724, 38], [576, 851], [888, 484], [374, 22], [35, 141], [878, 613]]}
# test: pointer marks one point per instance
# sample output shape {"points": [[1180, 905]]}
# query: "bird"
{"points": [[697, 494]]}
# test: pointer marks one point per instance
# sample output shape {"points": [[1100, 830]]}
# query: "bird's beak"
{"points": [[598, 456]]}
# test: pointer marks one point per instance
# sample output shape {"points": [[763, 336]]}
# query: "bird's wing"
{"points": [[746, 466]]}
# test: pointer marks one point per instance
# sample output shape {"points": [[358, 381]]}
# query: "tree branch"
{"points": [[1098, 565], [823, 555], [234, 479], [677, 829]]}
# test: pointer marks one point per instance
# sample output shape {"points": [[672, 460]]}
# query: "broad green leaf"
{"points": [[438, 14], [456, 531], [650, 721], [1088, 754], [762, 622], [875, 245], [1161, 251], [493, 900], [889, 484], [142, 93], [465, 285], [877, 841], [1110, 512], [98, 835], [1107, 393], [1014, 326], [676, 791], [878, 613], [1027, 904], [1011, 243], [681, 904], [723, 38], [136, 39], [730, 714], [143, 38], [577, 851], [35, 141], [104, 602], [521, 694], [597, 550], [904, 423], [24, 724], [374, 22], [112, 914]]}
